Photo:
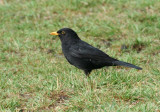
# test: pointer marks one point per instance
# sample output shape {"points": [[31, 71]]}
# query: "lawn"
{"points": [[35, 76]]}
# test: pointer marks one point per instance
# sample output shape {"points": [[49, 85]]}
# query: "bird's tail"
{"points": [[121, 63]]}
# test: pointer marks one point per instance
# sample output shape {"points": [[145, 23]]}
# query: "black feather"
{"points": [[121, 63]]}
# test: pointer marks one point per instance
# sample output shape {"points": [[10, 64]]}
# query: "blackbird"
{"points": [[84, 56]]}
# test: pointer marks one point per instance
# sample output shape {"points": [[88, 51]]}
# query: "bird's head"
{"points": [[66, 34]]}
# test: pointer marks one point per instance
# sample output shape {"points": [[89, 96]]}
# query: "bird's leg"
{"points": [[87, 72]]}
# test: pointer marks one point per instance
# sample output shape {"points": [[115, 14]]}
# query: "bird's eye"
{"points": [[63, 32]]}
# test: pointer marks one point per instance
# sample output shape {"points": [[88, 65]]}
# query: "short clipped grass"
{"points": [[36, 77]]}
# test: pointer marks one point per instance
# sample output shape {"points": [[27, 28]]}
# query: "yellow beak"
{"points": [[54, 33]]}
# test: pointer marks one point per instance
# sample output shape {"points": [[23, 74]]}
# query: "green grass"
{"points": [[35, 76]]}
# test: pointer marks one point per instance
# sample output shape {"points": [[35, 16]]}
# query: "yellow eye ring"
{"points": [[63, 32]]}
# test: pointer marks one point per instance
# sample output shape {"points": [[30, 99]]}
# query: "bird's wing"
{"points": [[85, 51]]}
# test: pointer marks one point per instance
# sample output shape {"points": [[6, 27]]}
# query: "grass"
{"points": [[36, 77]]}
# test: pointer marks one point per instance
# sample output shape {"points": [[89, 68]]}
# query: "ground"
{"points": [[35, 76]]}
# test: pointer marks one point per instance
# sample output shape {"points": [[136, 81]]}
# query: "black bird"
{"points": [[84, 56]]}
